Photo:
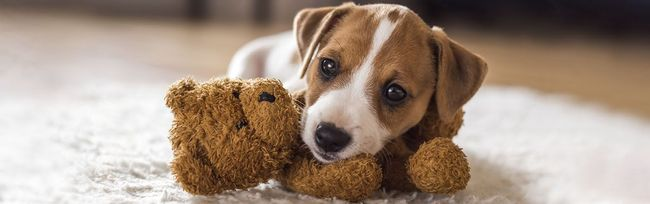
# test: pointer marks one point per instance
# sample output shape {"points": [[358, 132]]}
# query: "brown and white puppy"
{"points": [[370, 72]]}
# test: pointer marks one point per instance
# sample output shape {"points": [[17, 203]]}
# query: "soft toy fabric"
{"points": [[235, 134]]}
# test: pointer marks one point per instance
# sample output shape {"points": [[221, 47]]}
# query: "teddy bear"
{"points": [[232, 134]]}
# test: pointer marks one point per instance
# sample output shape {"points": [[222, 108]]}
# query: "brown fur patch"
{"points": [[348, 43], [405, 59]]}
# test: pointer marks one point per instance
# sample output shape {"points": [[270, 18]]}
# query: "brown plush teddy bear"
{"points": [[235, 134]]}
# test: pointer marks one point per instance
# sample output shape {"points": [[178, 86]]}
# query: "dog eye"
{"points": [[328, 68], [394, 94]]}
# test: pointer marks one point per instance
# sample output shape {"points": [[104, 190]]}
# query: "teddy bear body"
{"points": [[216, 148]]}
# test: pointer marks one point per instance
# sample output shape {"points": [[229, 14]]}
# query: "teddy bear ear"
{"points": [[180, 93]]}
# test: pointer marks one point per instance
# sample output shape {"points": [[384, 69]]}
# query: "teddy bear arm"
{"points": [[352, 179], [439, 166], [195, 175], [191, 167]]}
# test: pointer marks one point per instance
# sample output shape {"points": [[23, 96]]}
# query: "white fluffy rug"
{"points": [[99, 136]]}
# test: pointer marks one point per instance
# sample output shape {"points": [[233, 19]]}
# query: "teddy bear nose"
{"points": [[330, 138], [264, 96]]}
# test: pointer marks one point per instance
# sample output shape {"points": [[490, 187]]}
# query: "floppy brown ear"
{"points": [[460, 74], [310, 25]]}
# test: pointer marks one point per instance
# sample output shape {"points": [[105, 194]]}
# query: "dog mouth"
{"points": [[325, 157]]}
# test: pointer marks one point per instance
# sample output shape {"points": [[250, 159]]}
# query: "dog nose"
{"points": [[330, 138]]}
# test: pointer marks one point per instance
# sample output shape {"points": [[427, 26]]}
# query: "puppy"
{"points": [[370, 73]]}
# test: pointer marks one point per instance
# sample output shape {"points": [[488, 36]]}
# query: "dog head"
{"points": [[372, 71]]}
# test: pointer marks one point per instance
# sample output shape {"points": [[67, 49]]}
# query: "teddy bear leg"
{"points": [[439, 166], [352, 179]]}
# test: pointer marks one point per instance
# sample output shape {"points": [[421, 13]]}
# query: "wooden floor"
{"points": [[615, 73]]}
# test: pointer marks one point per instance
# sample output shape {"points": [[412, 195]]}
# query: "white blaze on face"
{"points": [[350, 107]]}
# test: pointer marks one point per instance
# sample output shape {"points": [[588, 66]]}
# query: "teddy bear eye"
{"points": [[264, 96], [241, 124]]}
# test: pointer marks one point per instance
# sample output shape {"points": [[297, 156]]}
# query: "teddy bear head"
{"points": [[246, 129]]}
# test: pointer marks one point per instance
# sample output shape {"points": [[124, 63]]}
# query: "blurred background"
{"points": [[595, 50]]}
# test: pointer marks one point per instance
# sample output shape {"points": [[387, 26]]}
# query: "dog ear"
{"points": [[460, 74], [309, 27]]}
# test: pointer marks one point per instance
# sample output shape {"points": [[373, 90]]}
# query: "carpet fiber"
{"points": [[88, 137]]}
